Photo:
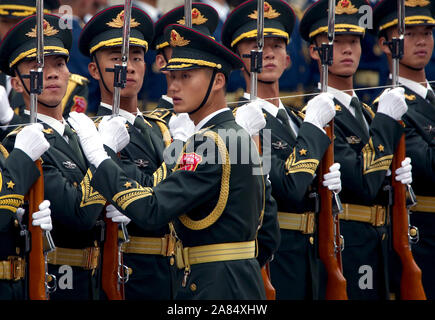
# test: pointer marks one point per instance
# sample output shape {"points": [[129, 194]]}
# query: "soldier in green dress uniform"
{"points": [[364, 144], [419, 119], [76, 207], [18, 172], [147, 254], [294, 269], [215, 199]]}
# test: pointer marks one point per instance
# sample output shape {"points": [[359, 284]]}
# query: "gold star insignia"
{"points": [[127, 184], [303, 152], [381, 148], [10, 185]]}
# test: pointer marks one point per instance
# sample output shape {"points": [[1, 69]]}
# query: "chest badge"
{"points": [[69, 165], [279, 145]]}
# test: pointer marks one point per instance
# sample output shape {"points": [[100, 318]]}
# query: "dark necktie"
{"points": [[74, 143], [430, 97], [282, 116], [139, 123], [357, 105]]}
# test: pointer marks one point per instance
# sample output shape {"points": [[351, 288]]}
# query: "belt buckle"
{"points": [[17, 268], [379, 216], [309, 223]]}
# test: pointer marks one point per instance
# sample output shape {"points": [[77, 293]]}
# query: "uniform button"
{"points": [[412, 232], [16, 223], [130, 271], [312, 240], [171, 261], [17, 250], [384, 235], [75, 184], [193, 287]]}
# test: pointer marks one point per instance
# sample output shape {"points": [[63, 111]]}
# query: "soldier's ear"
{"points": [[382, 42], [314, 54], [219, 81], [288, 62], [93, 70], [17, 85]]}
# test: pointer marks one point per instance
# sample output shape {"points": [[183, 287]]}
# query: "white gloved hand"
{"points": [[90, 139], [320, 110], [114, 133], [31, 141], [404, 173], [181, 127], [392, 103], [332, 179], [250, 117], [115, 215], [42, 218], [6, 112]]}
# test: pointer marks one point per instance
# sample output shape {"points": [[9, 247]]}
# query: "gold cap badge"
{"points": [[48, 30], [269, 12], [118, 22], [177, 40], [197, 18], [345, 7]]}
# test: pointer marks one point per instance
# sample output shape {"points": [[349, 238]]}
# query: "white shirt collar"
{"points": [[149, 9], [417, 87], [168, 99], [222, 10], [127, 115], [342, 96], [57, 125], [207, 118]]}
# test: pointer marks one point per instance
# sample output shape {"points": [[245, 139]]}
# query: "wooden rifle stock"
{"points": [[112, 288], [37, 290], [331, 258], [411, 287], [265, 270]]}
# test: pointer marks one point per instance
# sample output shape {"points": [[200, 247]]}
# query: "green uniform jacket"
{"points": [[151, 277], [364, 163], [75, 208], [211, 200], [294, 271], [159, 120], [18, 173]]}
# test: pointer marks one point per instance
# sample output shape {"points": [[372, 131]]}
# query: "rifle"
{"points": [[411, 287], [114, 273], [330, 241], [256, 67], [37, 265]]}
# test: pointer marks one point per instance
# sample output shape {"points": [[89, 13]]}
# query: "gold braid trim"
{"points": [[167, 139], [124, 198], [89, 195], [370, 164], [307, 165], [224, 192], [11, 202], [367, 107], [160, 174], [4, 152]]}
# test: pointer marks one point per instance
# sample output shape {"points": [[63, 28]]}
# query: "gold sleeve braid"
{"points": [[124, 198], [306, 165], [11, 202], [369, 162], [89, 195], [160, 174]]}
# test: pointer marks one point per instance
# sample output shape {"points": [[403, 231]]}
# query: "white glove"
{"points": [[90, 139], [181, 127], [31, 141], [115, 215], [332, 179], [42, 218], [404, 173], [114, 133], [320, 110], [6, 112], [392, 103], [250, 117]]}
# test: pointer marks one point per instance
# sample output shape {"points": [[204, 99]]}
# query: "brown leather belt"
{"points": [[87, 258], [12, 269], [375, 215], [303, 222]]}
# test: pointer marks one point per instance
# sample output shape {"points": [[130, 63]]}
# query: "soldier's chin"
{"points": [[50, 103]]}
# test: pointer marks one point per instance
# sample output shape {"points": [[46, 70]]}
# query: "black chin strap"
{"points": [[207, 94], [101, 75], [22, 77]]}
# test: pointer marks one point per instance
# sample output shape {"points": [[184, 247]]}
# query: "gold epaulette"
{"points": [[80, 80], [158, 114], [15, 131], [367, 107]]}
